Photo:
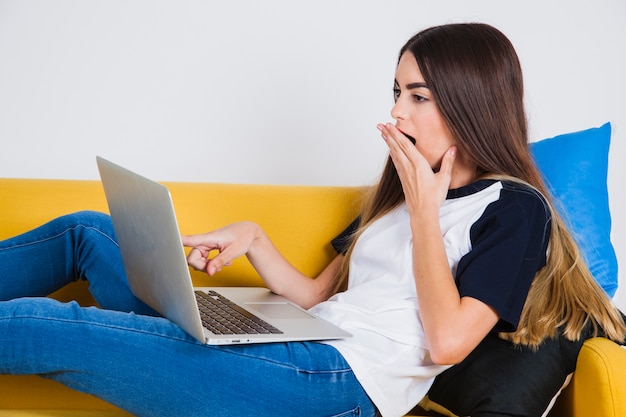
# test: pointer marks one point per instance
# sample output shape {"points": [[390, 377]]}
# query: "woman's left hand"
{"points": [[423, 188]]}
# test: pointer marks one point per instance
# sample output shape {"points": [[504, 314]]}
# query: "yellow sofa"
{"points": [[301, 221]]}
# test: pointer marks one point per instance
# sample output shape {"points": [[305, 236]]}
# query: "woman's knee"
{"points": [[89, 219]]}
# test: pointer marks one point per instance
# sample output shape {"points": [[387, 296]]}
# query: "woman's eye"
{"points": [[416, 97]]}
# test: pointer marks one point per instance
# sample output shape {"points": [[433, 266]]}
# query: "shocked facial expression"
{"points": [[416, 114]]}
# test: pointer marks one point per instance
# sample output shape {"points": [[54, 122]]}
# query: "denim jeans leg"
{"points": [[72, 247], [150, 367]]}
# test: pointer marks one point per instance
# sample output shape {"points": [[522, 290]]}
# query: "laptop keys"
{"points": [[222, 316]]}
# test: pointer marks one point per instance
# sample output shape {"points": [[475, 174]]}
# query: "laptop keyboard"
{"points": [[222, 316]]}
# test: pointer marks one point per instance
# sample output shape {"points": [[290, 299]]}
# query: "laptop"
{"points": [[156, 266]]}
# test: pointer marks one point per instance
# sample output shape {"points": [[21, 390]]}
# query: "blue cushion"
{"points": [[575, 166]]}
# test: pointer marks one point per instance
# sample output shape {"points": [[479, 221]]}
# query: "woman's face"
{"points": [[417, 115]]}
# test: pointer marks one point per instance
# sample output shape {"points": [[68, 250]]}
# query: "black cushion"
{"points": [[500, 379]]}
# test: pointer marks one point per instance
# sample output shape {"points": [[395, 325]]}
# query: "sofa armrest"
{"points": [[598, 387]]}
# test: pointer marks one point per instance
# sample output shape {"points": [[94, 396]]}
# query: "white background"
{"points": [[274, 91]]}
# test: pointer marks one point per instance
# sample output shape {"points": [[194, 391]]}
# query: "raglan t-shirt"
{"points": [[495, 234]]}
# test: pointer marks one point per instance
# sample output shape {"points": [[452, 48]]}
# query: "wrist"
{"points": [[424, 216], [257, 236], [425, 226]]}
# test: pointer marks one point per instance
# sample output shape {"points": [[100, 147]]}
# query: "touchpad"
{"points": [[279, 310]]}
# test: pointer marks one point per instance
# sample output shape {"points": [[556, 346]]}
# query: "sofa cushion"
{"points": [[575, 168], [498, 378]]}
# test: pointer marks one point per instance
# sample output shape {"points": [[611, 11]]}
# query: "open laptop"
{"points": [[156, 266]]}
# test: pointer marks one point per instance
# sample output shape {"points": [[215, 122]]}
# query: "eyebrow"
{"points": [[411, 86]]}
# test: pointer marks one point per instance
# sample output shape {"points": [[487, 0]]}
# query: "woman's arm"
{"points": [[453, 325], [247, 238]]}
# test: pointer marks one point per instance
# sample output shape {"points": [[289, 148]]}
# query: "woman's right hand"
{"points": [[247, 238], [230, 242]]}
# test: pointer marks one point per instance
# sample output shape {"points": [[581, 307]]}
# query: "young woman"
{"points": [[458, 241]]}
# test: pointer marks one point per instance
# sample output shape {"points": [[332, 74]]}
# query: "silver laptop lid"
{"points": [[136, 206]]}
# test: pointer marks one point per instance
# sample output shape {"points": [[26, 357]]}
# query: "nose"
{"points": [[397, 111]]}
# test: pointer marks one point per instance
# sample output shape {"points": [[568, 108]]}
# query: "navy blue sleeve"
{"points": [[509, 244]]}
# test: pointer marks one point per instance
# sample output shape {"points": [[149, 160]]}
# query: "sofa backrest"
{"points": [[300, 220]]}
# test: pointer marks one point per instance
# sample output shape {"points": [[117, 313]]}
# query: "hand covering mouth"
{"points": [[411, 138]]}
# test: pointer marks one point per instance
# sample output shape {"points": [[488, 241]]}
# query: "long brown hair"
{"points": [[475, 78]]}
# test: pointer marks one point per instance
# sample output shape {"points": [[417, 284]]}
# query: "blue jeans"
{"points": [[126, 354]]}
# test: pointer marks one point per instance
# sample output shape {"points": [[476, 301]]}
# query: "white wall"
{"points": [[274, 91]]}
